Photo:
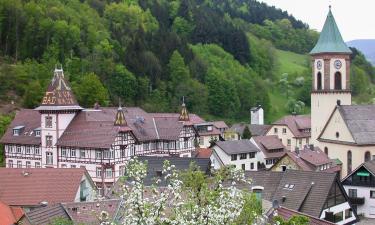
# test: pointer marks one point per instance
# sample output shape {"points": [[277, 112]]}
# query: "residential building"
{"points": [[293, 130], [10, 214], [221, 125], [316, 194], [235, 132], [360, 186], [208, 134], [31, 188], [310, 158], [287, 214], [202, 153], [271, 150], [242, 154], [61, 134]]}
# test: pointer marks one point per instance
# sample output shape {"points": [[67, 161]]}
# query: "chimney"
{"points": [[257, 115], [338, 102]]}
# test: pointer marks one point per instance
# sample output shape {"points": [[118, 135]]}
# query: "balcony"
{"points": [[357, 200]]}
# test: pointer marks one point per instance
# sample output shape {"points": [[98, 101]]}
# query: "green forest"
{"points": [[224, 56]]}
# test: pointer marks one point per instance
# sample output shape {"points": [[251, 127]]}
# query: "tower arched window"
{"points": [[326, 150], [367, 156], [349, 158], [319, 81], [338, 81]]}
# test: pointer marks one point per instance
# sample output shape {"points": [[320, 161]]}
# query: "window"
{"points": [[300, 141], [49, 158], [28, 150], [98, 154], [63, 152], [337, 217], [234, 157], [284, 130], [349, 161], [16, 132], [186, 142], [252, 166], [36, 150], [326, 150], [319, 81], [243, 166], [172, 145], [269, 161], [122, 151], [73, 166], [19, 150], [352, 193], [337, 134], [243, 156], [159, 173], [372, 194], [37, 133], [165, 145], [201, 140], [367, 156], [283, 168], [37, 164], [72, 153], [122, 170], [19, 164], [48, 140], [145, 147], [48, 122], [348, 213], [63, 166], [132, 149], [108, 173], [98, 172], [275, 130], [252, 155], [28, 164], [289, 142], [338, 81], [82, 154], [10, 164]]}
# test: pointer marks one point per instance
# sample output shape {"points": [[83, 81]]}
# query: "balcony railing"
{"points": [[357, 200]]}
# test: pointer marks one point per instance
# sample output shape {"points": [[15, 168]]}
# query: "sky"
{"points": [[355, 19]]}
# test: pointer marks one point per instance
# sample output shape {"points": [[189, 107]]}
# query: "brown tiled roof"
{"points": [[203, 153], [300, 162], [10, 214], [194, 119], [287, 213], [237, 146], [308, 194], [255, 129], [45, 184], [87, 212], [219, 124], [269, 143], [168, 128], [214, 131], [46, 214], [316, 157], [296, 123], [28, 118]]}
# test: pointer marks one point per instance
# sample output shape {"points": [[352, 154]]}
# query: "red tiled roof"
{"points": [[203, 153], [287, 213], [45, 184], [219, 124], [316, 157], [9, 215], [296, 123], [300, 162], [28, 118], [269, 143]]}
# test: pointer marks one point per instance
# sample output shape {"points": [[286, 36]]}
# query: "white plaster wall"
{"points": [[226, 159], [337, 124], [206, 140], [339, 208], [367, 209], [90, 190]]}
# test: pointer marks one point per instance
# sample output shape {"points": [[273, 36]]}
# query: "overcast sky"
{"points": [[355, 19]]}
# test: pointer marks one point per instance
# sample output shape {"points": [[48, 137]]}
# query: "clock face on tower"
{"points": [[319, 65], [337, 64]]}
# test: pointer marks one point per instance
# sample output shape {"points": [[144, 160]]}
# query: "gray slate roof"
{"points": [[255, 129], [46, 215], [308, 194], [237, 146], [360, 120]]}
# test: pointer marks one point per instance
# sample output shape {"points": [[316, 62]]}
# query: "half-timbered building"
{"points": [[61, 134]]}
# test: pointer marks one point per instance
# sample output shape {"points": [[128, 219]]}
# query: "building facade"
{"points": [[61, 134]]}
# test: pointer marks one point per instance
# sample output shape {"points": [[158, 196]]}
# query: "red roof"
{"points": [[287, 213], [29, 187], [296, 123], [203, 153], [9, 215], [268, 144]]}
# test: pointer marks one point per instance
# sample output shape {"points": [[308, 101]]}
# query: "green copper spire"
{"points": [[330, 40]]}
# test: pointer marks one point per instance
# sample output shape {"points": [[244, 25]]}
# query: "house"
{"points": [[34, 187], [316, 194], [235, 132], [310, 158], [10, 214], [76, 212], [272, 149], [286, 214], [202, 153], [61, 134], [208, 134], [242, 154], [221, 125], [293, 130], [360, 186]]}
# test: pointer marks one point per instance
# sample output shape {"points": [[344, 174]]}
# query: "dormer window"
{"points": [[17, 130], [209, 128], [37, 132]]}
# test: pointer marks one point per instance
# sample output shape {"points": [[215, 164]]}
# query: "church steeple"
{"points": [[120, 117], [184, 115], [59, 95], [330, 40]]}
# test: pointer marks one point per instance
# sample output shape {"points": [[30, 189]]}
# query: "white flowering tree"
{"points": [[186, 198]]}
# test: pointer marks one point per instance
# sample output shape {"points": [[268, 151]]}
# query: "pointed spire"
{"points": [[330, 39], [184, 115], [59, 94], [120, 116]]}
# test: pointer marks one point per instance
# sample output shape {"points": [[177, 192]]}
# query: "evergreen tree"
{"points": [[246, 133]]}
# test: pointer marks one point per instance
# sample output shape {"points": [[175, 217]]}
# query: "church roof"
{"points": [[330, 40], [59, 95]]}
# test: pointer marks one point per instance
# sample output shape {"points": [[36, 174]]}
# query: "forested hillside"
{"points": [[225, 56]]}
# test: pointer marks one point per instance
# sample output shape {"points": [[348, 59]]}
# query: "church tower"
{"points": [[330, 75], [58, 109]]}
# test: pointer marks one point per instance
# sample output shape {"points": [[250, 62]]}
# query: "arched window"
{"points": [[349, 156], [338, 81], [326, 150], [319, 81], [367, 156]]}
